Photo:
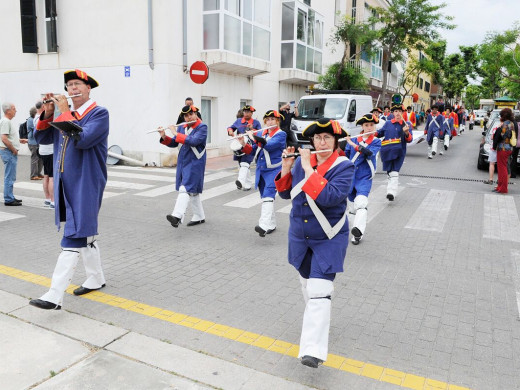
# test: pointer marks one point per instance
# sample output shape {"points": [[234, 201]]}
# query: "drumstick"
{"points": [[254, 130], [165, 128], [313, 152]]}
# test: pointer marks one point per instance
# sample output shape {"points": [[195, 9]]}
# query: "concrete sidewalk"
{"points": [[62, 350]]}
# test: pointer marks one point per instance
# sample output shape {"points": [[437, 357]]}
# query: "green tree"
{"points": [[345, 74], [458, 69], [409, 24], [473, 95]]}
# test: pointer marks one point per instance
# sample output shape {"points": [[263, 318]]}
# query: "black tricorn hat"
{"points": [[397, 107], [324, 125], [378, 109], [367, 118], [273, 114], [247, 107], [188, 109], [79, 75]]}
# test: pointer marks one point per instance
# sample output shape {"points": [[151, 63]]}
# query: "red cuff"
{"points": [[166, 140], [66, 116], [247, 149], [314, 185], [180, 138], [43, 124], [283, 183], [356, 148], [410, 137]]}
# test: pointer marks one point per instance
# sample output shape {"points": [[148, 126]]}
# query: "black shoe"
{"points": [[445, 147], [238, 184], [44, 304], [260, 231], [193, 223], [434, 153], [83, 290], [13, 203], [311, 361], [390, 197], [173, 220], [356, 232]]}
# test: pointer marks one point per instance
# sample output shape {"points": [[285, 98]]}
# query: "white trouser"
{"points": [[435, 144], [63, 272], [303, 282], [314, 340], [360, 220], [244, 176], [447, 140], [393, 183], [196, 207], [267, 219], [182, 203], [92, 263]]}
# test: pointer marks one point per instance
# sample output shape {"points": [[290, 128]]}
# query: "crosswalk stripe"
{"points": [[142, 169], [141, 176], [432, 213], [33, 202], [25, 185], [500, 218], [127, 185], [245, 202], [9, 216], [219, 190]]}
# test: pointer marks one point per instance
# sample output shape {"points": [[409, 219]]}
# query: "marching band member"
{"points": [[396, 134], [318, 185], [267, 148], [80, 176], [387, 114], [191, 164], [241, 125], [409, 116], [378, 114], [433, 129], [362, 151], [448, 128]]}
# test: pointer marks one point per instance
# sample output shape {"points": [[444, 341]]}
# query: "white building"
{"points": [[259, 52]]}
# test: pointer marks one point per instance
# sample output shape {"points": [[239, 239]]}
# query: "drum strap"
{"points": [[266, 154], [329, 230], [197, 154]]}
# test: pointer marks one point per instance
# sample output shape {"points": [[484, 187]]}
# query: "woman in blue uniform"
{"points": [[318, 185], [362, 151], [395, 133], [267, 148], [191, 164]]}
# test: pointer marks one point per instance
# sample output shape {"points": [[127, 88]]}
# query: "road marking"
{"points": [[9, 216], [432, 213], [245, 202], [219, 190], [515, 259], [127, 185], [25, 185], [500, 218], [164, 170], [338, 362], [141, 176]]}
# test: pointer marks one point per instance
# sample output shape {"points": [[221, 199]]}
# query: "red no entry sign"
{"points": [[199, 72]]}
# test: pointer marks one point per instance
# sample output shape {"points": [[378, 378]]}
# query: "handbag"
{"points": [[512, 140]]}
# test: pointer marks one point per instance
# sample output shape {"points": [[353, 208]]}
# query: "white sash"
{"points": [[369, 162], [266, 154], [329, 230], [193, 148]]}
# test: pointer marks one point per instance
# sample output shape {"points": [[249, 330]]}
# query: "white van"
{"points": [[344, 108]]}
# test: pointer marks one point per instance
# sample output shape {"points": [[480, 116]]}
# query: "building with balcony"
{"points": [[419, 88], [259, 52]]}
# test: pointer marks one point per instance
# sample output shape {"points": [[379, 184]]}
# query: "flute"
{"points": [[254, 130], [68, 97], [360, 134], [313, 152], [165, 128]]}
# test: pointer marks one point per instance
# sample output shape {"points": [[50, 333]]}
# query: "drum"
{"points": [[236, 147]]}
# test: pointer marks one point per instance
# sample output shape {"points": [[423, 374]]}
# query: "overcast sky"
{"points": [[474, 18]]}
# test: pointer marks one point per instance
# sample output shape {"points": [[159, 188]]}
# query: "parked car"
{"points": [[479, 117], [485, 142]]}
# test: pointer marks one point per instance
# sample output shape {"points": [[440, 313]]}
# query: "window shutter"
{"points": [[28, 17]]}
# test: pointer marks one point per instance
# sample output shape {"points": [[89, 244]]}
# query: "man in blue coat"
{"points": [[240, 126], [318, 185], [433, 130], [80, 176], [191, 164]]}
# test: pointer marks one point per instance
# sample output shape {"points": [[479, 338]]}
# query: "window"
{"points": [[337, 13], [427, 86], [205, 113], [242, 25], [39, 37], [376, 65], [354, 9], [308, 2], [302, 37], [352, 111], [421, 83]]}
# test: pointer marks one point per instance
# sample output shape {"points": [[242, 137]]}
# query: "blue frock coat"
{"points": [[393, 145], [362, 183], [240, 125]]}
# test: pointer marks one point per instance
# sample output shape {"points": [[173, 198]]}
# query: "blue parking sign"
{"points": [[127, 71]]}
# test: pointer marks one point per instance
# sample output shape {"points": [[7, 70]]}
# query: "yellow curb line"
{"points": [[357, 367]]}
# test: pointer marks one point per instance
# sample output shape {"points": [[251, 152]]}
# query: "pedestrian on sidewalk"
{"points": [[396, 133], [239, 127], [81, 175], [9, 145], [318, 185], [362, 151], [502, 144], [514, 155], [36, 160], [191, 164], [267, 148]]}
